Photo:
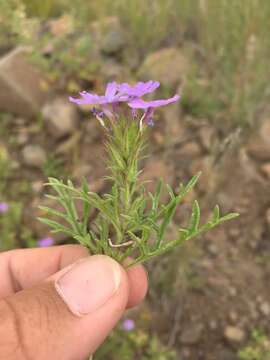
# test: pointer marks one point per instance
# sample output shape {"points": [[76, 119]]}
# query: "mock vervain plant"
{"points": [[128, 222]]}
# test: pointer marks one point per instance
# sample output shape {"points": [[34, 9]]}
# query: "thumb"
{"points": [[68, 316]]}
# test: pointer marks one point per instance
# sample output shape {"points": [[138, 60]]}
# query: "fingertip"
{"points": [[138, 281]]}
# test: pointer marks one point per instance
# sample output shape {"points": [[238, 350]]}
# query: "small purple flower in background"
{"points": [[4, 207], [45, 242], [128, 325]]}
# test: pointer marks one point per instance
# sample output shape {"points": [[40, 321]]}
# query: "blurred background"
{"points": [[209, 300]]}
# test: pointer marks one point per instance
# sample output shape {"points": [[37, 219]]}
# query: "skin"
{"points": [[35, 323]]}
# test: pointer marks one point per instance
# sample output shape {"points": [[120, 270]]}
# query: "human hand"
{"points": [[59, 303]]}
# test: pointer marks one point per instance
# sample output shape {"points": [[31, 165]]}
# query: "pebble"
{"points": [[265, 168], [34, 156], [232, 291], [265, 308], [268, 216], [233, 316], [234, 334], [213, 249], [61, 117], [213, 324], [192, 334]]}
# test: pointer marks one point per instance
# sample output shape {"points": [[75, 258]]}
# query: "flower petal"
{"points": [[139, 89], [111, 90], [87, 98], [141, 104]]}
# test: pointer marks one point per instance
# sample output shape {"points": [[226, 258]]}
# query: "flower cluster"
{"points": [[4, 207], [45, 242], [115, 94]]}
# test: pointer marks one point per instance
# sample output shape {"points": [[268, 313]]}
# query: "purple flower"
{"points": [[112, 95], [131, 94], [128, 325], [3, 207], [140, 89], [45, 242]]}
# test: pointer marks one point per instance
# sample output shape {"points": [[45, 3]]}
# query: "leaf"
{"points": [[170, 191], [216, 214], [52, 211], [228, 217], [167, 219], [192, 182], [195, 217], [56, 226], [156, 196], [183, 232]]}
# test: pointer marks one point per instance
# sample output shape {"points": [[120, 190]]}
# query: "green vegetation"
{"points": [[136, 344], [257, 349]]}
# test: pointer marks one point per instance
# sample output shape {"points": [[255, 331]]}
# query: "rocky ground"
{"points": [[206, 299]]}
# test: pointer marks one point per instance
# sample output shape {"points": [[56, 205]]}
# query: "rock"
{"points": [[21, 84], [109, 35], [265, 131], [265, 308], [34, 155], [265, 168], [213, 324], [61, 117], [234, 335], [192, 334], [168, 66], [259, 145], [111, 70], [233, 316], [268, 217]]}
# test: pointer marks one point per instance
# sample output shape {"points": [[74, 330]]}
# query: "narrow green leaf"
{"points": [[216, 214], [56, 226], [192, 182], [166, 220], [52, 211], [195, 217], [228, 217], [170, 191]]}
